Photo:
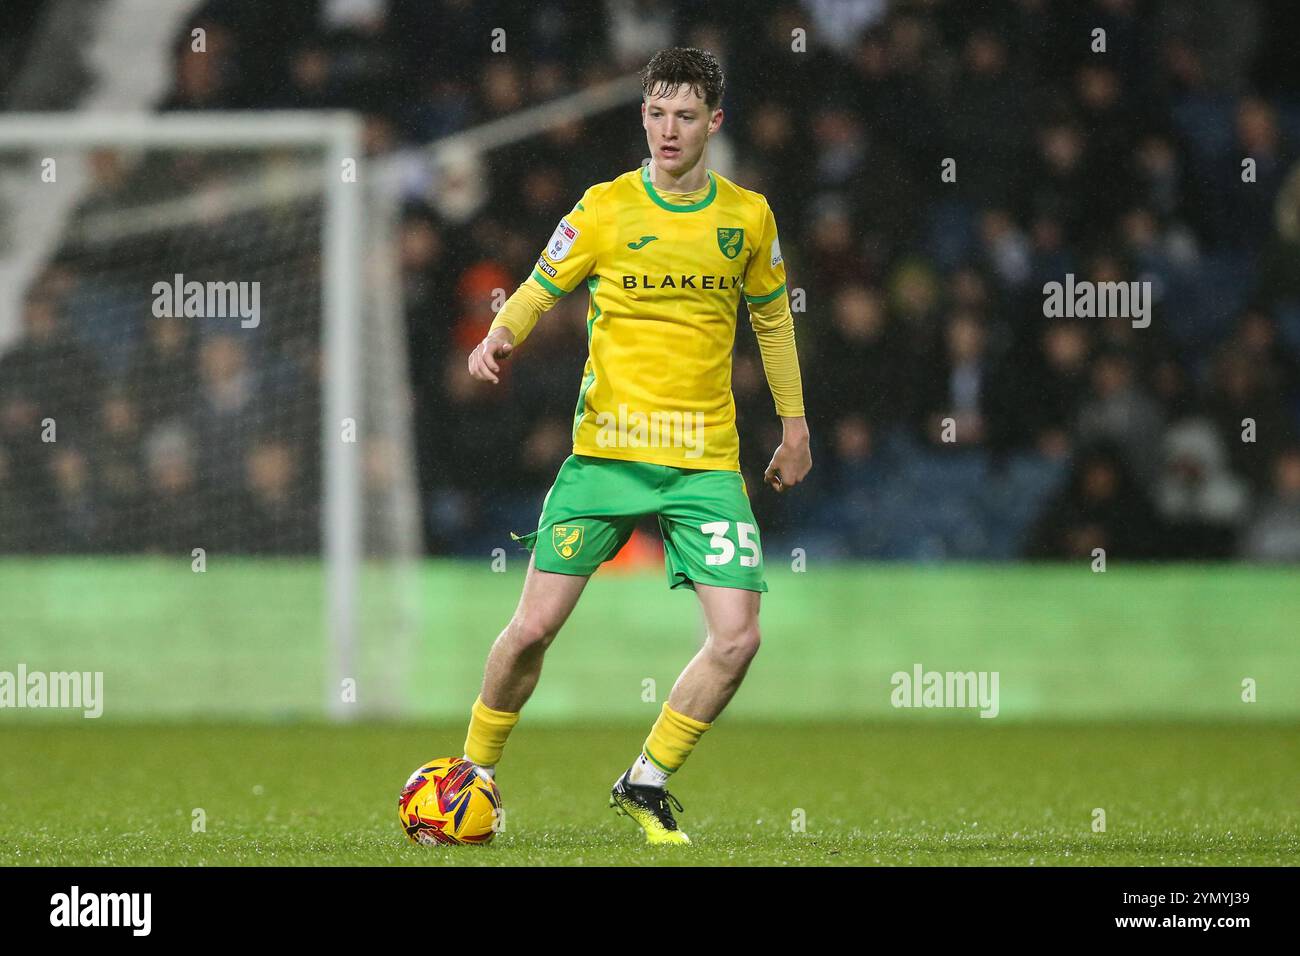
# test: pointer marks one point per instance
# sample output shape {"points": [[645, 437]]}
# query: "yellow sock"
{"points": [[671, 741], [488, 730]]}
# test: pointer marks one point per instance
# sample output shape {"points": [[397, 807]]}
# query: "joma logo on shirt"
{"points": [[681, 282]]}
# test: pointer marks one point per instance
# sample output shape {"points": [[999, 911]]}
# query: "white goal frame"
{"points": [[342, 243]]}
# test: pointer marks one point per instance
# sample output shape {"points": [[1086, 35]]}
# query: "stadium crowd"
{"points": [[920, 299]]}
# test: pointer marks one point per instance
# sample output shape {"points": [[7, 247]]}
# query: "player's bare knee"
{"points": [[735, 649], [532, 633]]}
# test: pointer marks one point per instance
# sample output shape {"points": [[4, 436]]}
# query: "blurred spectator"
{"points": [[1118, 410], [48, 376], [637, 28], [1243, 208], [984, 117], [1250, 413], [1056, 186], [15, 530], [1006, 248], [1257, 337], [1273, 533], [177, 522], [204, 77], [1102, 507], [1039, 398], [164, 372], [482, 286], [838, 24], [959, 394], [222, 419], [1202, 501], [72, 523], [858, 361], [121, 473], [270, 516]]}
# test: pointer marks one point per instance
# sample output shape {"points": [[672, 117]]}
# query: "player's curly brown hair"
{"points": [[669, 69]]}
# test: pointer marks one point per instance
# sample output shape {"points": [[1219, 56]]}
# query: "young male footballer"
{"points": [[666, 252]]}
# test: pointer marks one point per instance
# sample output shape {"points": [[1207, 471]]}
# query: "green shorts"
{"points": [[710, 535]]}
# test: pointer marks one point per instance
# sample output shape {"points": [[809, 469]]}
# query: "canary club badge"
{"points": [[730, 241], [567, 540], [561, 242]]}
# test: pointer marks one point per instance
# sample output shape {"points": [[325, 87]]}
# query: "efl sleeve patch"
{"points": [[561, 241], [776, 252]]}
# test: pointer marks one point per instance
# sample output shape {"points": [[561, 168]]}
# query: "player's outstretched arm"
{"points": [[509, 329]]}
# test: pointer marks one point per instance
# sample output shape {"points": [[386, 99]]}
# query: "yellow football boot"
{"points": [[649, 807]]}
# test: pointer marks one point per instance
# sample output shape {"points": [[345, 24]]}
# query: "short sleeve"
{"points": [[765, 273], [570, 253]]}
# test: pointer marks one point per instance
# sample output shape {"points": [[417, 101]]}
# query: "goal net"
{"points": [[207, 487]]}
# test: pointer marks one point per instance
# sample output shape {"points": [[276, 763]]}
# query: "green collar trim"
{"points": [[677, 207]]}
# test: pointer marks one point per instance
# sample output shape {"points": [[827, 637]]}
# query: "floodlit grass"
{"points": [[939, 792]]}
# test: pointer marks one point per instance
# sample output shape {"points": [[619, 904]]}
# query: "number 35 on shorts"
{"points": [[723, 551]]}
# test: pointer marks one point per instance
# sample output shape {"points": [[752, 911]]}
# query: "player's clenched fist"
{"points": [[485, 361], [793, 460]]}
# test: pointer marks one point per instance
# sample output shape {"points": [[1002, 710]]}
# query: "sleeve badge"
{"points": [[561, 241]]}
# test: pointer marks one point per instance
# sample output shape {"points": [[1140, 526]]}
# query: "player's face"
{"points": [[677, 128]]}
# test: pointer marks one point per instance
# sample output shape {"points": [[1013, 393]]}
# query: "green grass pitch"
{"points": [[937, 792]]}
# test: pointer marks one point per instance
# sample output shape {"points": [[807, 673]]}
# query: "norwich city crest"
{"points": [[730, 241], [567, 540]]}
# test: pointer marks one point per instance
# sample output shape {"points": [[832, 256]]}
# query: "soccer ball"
{"points": [[447, 802]]}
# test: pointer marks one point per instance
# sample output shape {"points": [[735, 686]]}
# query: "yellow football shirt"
{"points": [[665, 280]]}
